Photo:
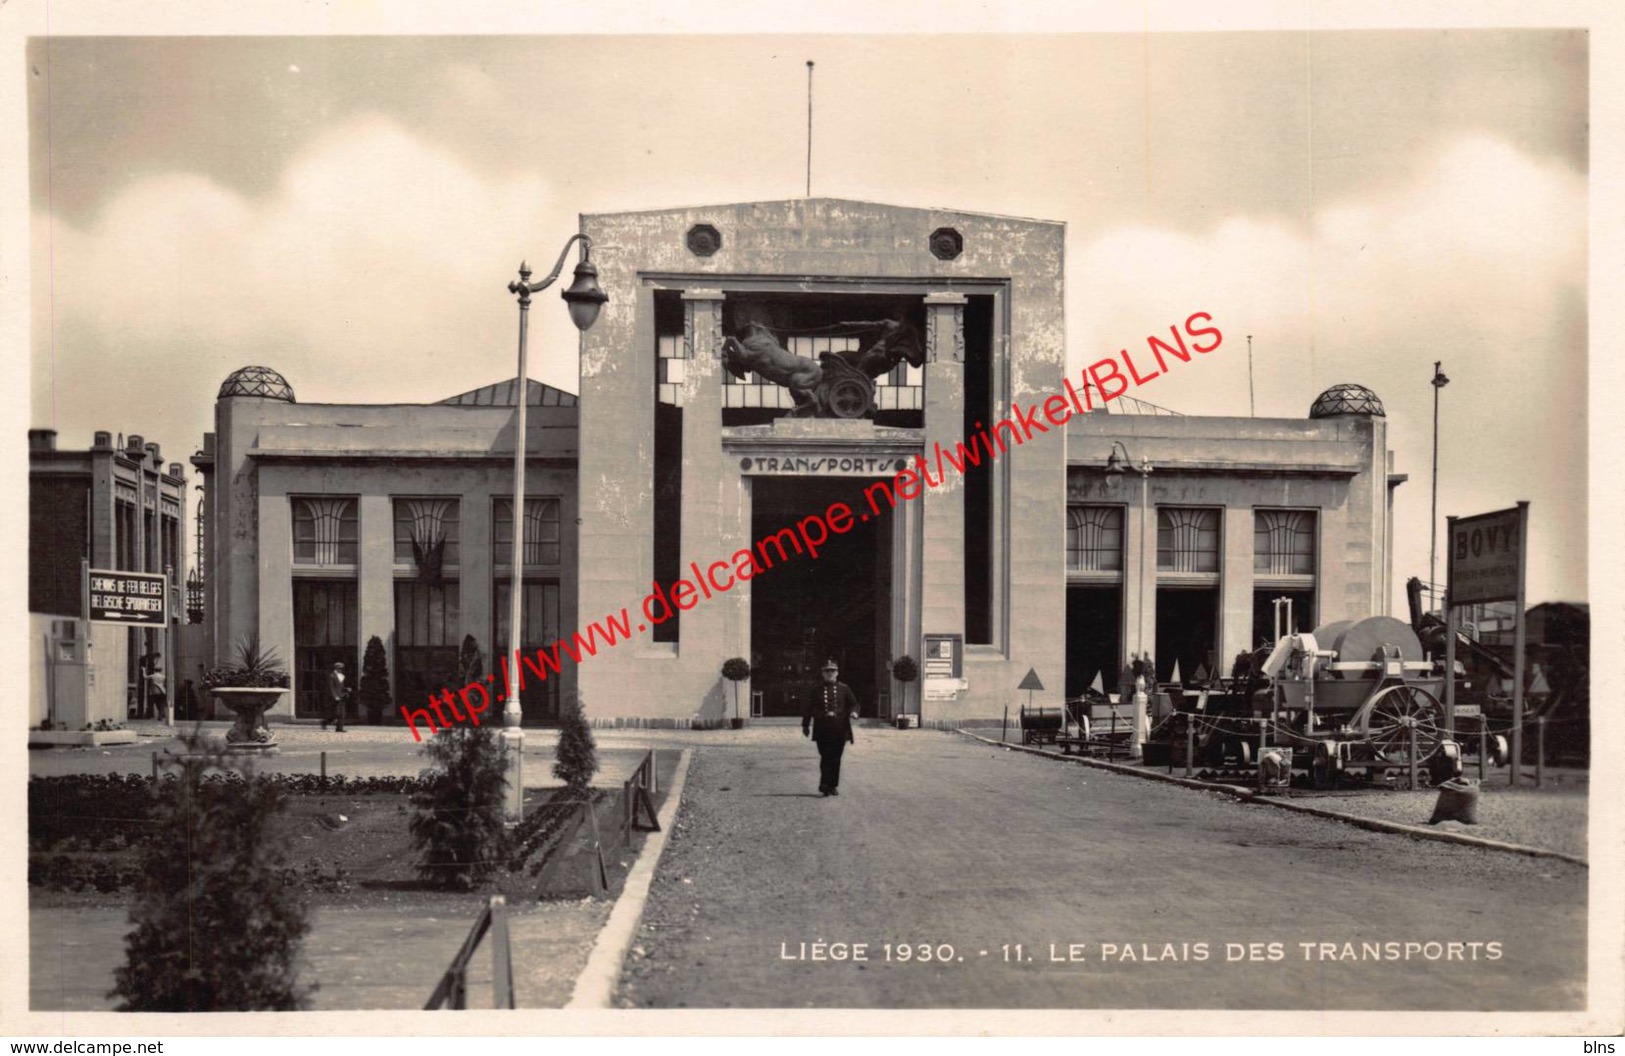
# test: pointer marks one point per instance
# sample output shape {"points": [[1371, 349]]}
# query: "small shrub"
{"points": [[375, 699], [470, 666], [457, 821], [576, 756], [212, 867]]}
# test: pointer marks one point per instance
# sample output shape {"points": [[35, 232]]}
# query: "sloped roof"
{"points": [[503, 394]]}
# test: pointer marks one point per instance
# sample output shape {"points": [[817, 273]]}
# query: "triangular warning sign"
{"points": [[1174, 678], [1031, 681], [1538, 684], [1099, 684]]}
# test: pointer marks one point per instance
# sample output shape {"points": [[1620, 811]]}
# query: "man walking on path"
{"points": [[828, 720], [336, 693]]}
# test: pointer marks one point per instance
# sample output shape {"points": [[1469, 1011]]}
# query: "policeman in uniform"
{"points": [[827, 719]]}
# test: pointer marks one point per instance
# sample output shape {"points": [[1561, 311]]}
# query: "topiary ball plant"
{"points": [[736, 670], [905, 670]]}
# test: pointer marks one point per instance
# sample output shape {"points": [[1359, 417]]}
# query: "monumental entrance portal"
{"points": [[757, 363]]}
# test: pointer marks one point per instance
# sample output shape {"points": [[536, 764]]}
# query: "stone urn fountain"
{"points": [[250, 686], [250, 733]]}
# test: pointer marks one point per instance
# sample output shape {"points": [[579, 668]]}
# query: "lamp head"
{"points": [[585, 297], [1114, 465]]}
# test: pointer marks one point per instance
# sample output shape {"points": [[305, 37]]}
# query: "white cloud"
{"points": [[377, 262], [1480, 263]]}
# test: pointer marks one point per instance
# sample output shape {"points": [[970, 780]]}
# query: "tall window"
{"points": [[426, 640], [171, 539], [1283, 543], [426, 533], [1094, 538], [124, 541], [325, 531], [325, 623], [539, 628], [543, 539], [1187, 540]]}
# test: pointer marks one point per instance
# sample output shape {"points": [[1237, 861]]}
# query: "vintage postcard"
{"points": [[684, 525]]}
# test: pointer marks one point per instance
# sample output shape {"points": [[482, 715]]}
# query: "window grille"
{"points": [[543, 538], [1187, 540], [426, 534], [324, 531], [1094, 538], [1284, 542]]}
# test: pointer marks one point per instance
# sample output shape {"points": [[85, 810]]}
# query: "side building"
{"points": [[113, 507], [328, 524]]}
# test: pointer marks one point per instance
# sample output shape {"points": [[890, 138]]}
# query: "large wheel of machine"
{"points": [[1387, 720]]}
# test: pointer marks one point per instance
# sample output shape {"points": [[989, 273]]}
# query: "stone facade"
{"points": [[671, 463]]}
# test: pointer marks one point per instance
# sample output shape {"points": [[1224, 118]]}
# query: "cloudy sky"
{"points": [[349, 210]]}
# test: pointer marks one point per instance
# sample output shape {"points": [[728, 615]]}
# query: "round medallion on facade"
{"points": [[1347, 398], [946, 243], [256, 381], [704, 240], [744, 464]]}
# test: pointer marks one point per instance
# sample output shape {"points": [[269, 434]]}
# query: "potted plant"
{"points": [[904, 670], [249, 685], [375, 681], [736, 670]]}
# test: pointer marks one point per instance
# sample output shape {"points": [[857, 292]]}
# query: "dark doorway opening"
{"points": [[1187, 631], [1303, 614], [1094, 638], [324, 633], [805, 611]]}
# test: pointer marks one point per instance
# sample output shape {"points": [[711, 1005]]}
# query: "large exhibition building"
{"points": [[756, 367]]}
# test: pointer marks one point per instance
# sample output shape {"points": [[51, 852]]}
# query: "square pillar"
{"points": [[1235, 584], [1139, 568], [711, 492], [375, 581], [942, 595], [275, 601]]}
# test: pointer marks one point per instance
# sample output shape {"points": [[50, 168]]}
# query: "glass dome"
{"points": [[1347, 398], [256, 381]]}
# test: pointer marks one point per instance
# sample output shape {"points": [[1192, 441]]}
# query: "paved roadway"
{"points": [[941, 840]]}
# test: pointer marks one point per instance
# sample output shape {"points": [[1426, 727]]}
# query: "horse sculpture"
{"points": [[757, 350]]}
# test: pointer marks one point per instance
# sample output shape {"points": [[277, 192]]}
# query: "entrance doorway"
{"points": [[805, 611], [1094, 639], [1187, 631]]}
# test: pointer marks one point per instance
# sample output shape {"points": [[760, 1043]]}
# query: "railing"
{"points": [[637, 797], [453, 986]]}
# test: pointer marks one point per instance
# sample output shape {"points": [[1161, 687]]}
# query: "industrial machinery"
{"points": [[1358, 695]]}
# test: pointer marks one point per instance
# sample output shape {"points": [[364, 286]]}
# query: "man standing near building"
{"points": [[828, 720], [336, 692]]}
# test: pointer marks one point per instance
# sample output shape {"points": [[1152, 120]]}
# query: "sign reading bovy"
{"points": [[1484, 557]]}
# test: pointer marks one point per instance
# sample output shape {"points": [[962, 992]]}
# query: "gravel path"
{"points": [[1553, 821], [941, 840]]}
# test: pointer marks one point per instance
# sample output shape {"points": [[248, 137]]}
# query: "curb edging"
{"points": [[595, 986], [1248, 795]]}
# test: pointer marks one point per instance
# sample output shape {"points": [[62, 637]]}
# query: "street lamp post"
{"points": [[1439, 382], [1114, 469], [584, 298]]}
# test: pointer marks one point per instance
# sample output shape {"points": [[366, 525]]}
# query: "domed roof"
{"points": [[1347, 398], [256, 381]]}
